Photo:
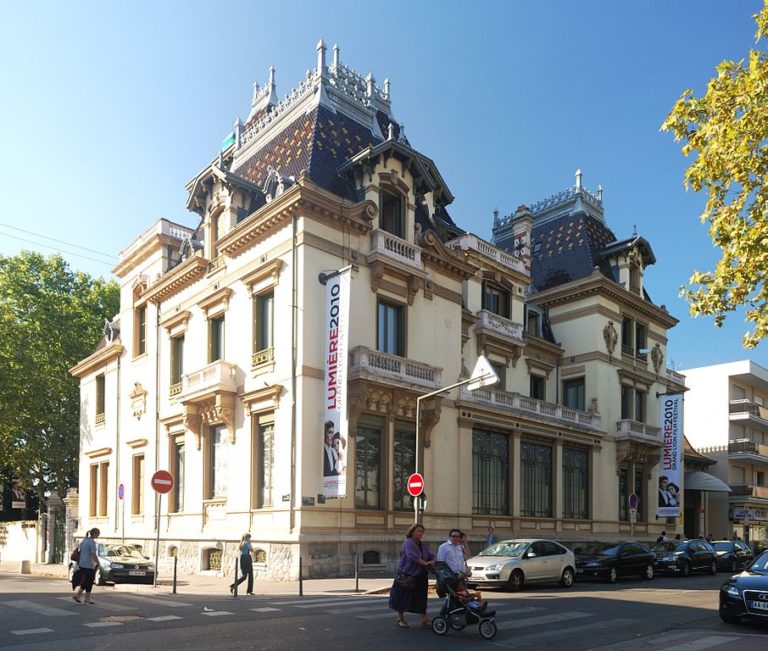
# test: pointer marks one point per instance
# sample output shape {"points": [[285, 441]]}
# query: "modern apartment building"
{"points": [[214, 367], [726, 418]]}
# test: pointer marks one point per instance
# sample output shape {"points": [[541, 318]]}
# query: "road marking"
{"points": [[544, 619], [331, 602], [384, 615], [23, 604], [704, 643], [307, 603], [612, 623], [102, 624], [163, 618], [217, 613], [159, 602], [101, 604], [33, 631], [265, 609]]}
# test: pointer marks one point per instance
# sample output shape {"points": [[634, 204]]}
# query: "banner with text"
{"points": [[670, 502], [336, 354]]}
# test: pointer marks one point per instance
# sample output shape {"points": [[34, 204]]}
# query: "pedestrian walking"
{"points": [[246, 564], [409, 590], [87, 564]]}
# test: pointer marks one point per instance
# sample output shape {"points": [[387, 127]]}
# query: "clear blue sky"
{"points": [[108, 109]]}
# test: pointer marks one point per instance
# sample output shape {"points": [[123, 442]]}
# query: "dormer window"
{"points": [[533, 321], [495, 299], [391, 217]]}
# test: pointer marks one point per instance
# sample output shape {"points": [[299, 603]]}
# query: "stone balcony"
{"points": [[748, 490], [468, 241], [747, 449], [372, 364], [628, 428], [498, 325], [217, 377], [387, 247], [504, 401], [745, 409]]}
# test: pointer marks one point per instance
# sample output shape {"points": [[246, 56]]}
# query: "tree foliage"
{"points": [[50, 319], [727, 130]]}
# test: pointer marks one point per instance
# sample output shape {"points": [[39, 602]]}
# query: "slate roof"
{"points": [[568, 248]]}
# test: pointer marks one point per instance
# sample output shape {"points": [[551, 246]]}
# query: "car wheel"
{"points": [[612, 575], [729, 619], [647, 573], [685, 568], [71, 573], [713, 568], [566, 580], [516, 581]]}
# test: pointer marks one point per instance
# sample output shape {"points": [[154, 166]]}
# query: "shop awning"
{"points": [[703, 481]]}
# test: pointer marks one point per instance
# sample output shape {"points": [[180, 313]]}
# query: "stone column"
{"points": [[55, 506], [71, 504]]}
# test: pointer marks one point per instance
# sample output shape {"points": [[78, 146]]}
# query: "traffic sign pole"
{"points": [[162, 482], [121, 497]]}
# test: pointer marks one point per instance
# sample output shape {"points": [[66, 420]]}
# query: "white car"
{"points": [[514, 563]]}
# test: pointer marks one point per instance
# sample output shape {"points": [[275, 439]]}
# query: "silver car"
{"points": [[514, 563]]}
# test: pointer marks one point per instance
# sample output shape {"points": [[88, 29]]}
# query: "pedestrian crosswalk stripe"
{"points": [[48, 611], [615, 624], [163, 618], [384, 615], [265, 609], [33, 631], [170, 603], [217, 613], [102, 624], [543, 619], [107, 604], [703, 643], [308, 603], [335, 603]]}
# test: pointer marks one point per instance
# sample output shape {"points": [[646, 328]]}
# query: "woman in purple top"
{"points": [[414, 561]]}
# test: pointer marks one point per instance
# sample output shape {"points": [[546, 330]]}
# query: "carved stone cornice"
{"points": [[216, 302], [268, 270], [628, 450], [219, 410], [436, 255], [193, 422], [97, 360], [262, 399], [181, 276]]}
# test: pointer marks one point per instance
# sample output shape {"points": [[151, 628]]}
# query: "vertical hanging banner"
{"points": [[670, 494], [336, 353]]}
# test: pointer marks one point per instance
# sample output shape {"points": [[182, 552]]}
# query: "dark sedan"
{"points": [[732, 555], [612, 560], [746, 594], [121, 564], [685, 556]]}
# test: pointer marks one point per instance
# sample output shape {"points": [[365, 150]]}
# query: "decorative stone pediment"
{"points": [[638, 452], [138, 398], [220, 409]]}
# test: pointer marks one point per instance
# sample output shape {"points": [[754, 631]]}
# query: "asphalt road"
{"points": [[665, 613]]}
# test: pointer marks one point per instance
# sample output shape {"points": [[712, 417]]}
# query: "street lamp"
{"points": [[483, 375]]}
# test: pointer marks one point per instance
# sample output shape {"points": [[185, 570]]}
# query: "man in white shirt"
{"points": [[452, 553]]}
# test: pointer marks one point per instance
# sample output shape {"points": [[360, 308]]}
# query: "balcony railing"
{"points": [[396, 248], [631, 428], [261, 357], [383, 365], [747, 446], [749, 490], [100, 419], [175, 389], [474, 243], [674, 376], [217, 376], [744, 407], [500, 325], [506, 401]]}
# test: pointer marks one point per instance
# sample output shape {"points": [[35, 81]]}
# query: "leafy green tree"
{"points": [[50, 319], [727, 130]]}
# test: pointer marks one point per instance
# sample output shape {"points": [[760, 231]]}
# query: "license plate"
{"points": [[759, 605], [137, 573]]}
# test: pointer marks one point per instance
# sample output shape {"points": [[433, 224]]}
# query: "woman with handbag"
{"points": [[409, 590]]}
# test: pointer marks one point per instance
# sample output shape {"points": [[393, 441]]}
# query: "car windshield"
{"points": [[600, 549], [669, 547], [722, 546], [505, 548], [760, 565], [125, 551]]}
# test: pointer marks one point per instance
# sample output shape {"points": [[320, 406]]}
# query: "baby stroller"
{"points": [[458, 610]]}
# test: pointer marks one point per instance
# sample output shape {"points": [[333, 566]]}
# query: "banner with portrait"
{"points": [[670, 493], [336, 355]]}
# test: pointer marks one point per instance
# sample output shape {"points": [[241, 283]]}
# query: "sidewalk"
{"points": [[192, 584]]}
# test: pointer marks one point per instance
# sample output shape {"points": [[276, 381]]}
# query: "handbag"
{"points": [[75, 555], [405, 581]]}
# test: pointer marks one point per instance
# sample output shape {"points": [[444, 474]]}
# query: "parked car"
{"points": [[515, 563], [732, 555], [685, 556], [608, 560], [121, 564], [746, 594]]}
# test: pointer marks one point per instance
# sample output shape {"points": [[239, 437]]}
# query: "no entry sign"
{"points": [[415, 485], [162, 481]]}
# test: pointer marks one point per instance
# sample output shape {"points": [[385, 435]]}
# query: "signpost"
{"points": [[415, 485], [633, 500], [120, 496], [162, 482]]}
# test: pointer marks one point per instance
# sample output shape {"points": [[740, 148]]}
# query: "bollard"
{"points": [[301, 580], [25, 567], [234, 583], [357, 572], [175, 563]]}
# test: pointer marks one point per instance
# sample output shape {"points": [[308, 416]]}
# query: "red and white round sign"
{"points": [[415, 485], [162, 481]]}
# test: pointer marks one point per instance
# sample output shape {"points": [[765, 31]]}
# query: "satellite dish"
{"points": [[483, 374]]}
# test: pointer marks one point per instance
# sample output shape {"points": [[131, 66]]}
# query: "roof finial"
{"points": [[401, 135], [578, 180], [321, 57], [369, 80], [336, 57], [599, 192], [634, 230], [391, 131], [496, 216], [386, 88], [271, 81]]}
